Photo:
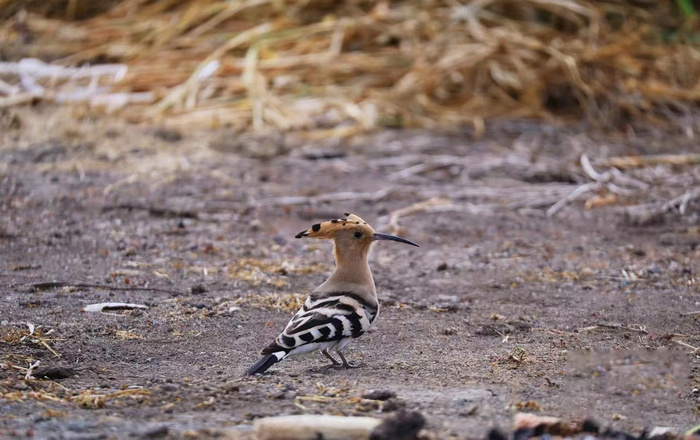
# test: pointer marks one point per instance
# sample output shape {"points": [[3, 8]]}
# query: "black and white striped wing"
{"points": [[322, 322]]}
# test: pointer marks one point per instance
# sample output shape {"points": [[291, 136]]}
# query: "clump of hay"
{"points": [[338, 68]]}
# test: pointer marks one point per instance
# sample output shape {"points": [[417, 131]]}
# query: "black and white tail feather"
{"points": [[324, 322]]}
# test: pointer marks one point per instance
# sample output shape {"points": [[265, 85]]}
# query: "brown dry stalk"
{"points": [[645, 161], [291, 65]]}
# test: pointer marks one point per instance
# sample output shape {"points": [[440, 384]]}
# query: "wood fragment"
{"points": [[636, 329], [627, 162], [13, 100], [695, 350], [31, 369], [572, 196], [692, 431], [48, 347], [531, 421], [591, 172], [601, 201], [412, 209], [641, 215], [312, 427]]}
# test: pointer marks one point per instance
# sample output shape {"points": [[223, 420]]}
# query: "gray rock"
{"points": [[158, 431]]}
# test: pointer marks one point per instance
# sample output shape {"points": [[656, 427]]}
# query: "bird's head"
{"points": [[350, 234]]}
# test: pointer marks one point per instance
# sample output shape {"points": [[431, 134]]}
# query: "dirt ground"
{"points": [[500, 310]]}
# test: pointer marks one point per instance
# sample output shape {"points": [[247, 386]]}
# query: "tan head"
{"points": [[351, 235]]}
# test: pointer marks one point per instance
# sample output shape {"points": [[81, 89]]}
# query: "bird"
{"points": [[342, 308]]}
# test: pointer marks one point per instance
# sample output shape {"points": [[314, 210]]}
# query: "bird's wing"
{"points": [[326, 319]]}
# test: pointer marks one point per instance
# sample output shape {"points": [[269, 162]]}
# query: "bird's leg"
{"points": [[350, 364], [329, 356]]}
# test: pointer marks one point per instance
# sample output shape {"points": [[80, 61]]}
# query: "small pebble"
{"points": [[393, 405], [379, 395], [156, 432], [255, 225], [654, 270], [402, 426], [198, 289], [53, 372]]}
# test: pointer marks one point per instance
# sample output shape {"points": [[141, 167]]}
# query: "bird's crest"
{"points": [[328, 228]]}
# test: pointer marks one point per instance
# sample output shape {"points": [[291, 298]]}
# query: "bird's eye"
{"points": [[358, 234]]}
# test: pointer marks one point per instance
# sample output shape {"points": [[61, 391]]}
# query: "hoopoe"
{"points": [[340, 309]]}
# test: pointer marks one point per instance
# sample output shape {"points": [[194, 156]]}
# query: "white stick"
{"points": [[36, 68], [112, 306], [583, 189], [311, 427], [29, 376], [591, 172]]}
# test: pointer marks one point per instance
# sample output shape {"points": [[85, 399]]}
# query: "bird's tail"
{"points": [[266, 362]]}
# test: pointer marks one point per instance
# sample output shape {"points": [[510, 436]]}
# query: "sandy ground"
{"points": [[500, 310]]}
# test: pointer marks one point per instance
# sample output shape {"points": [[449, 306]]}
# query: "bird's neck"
{"points": [[352, 268]]}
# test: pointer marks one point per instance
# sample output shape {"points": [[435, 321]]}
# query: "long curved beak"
{"points": [[379, 236]]}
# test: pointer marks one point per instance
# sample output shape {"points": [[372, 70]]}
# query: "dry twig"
{"points": [[625, 327], [626, 162], [573, 196], [313, 426], [647, 213], [416, 207], [695, 350]]}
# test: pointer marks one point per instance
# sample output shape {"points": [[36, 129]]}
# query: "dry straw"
{"points": [[338, 68]]}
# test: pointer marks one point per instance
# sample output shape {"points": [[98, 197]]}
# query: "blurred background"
{"points": [[337, 68]]}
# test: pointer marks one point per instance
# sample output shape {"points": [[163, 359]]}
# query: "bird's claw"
{"points": [[352, 364], [347, 365]]}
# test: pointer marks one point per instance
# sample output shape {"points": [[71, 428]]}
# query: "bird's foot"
{"points": [[350, 364], [328, 355], [327, 368]]}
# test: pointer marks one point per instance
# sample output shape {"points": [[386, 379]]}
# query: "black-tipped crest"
{"points": [[329, 228]]}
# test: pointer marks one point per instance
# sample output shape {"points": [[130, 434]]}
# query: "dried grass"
{"points": [[90, 400], [85, 399], [289, 303], [55, 392], [33, 335], [12, 335], [260, 272], [338, 68]]}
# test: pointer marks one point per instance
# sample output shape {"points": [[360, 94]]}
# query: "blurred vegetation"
{"points": [[342, 67]]}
